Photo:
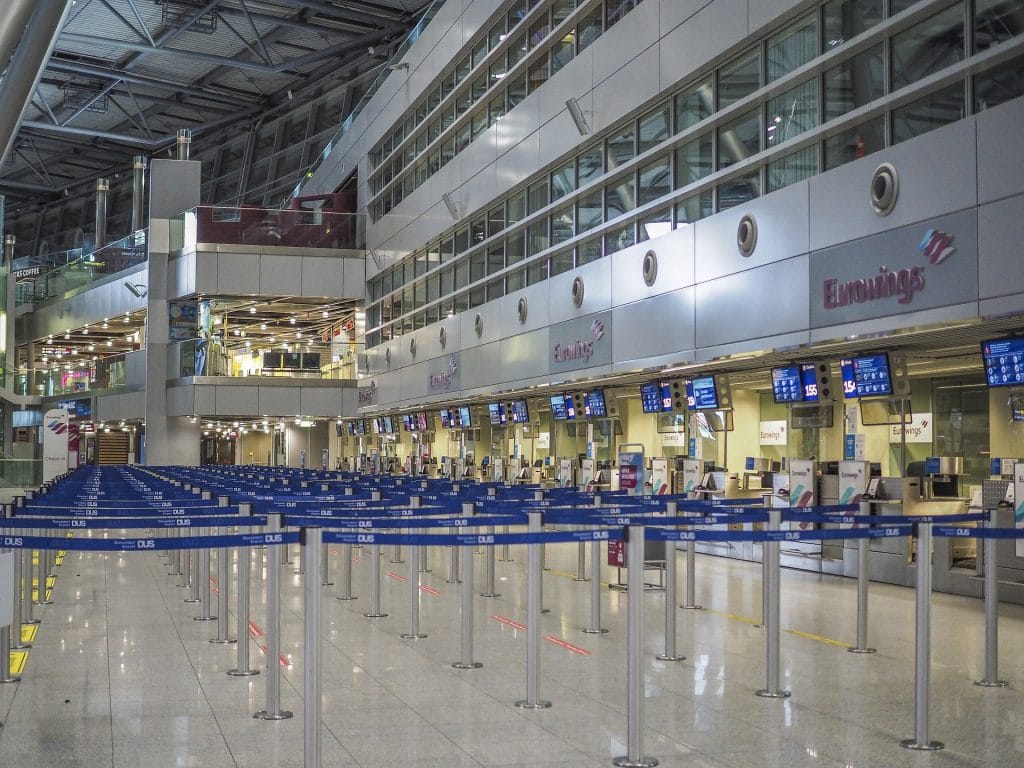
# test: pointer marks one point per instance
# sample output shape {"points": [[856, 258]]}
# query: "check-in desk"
{"points": [[725, 485]]}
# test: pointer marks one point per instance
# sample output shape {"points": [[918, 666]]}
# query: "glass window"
{"points": [[996, 21], [462, 69], [999, 85], [517, 51], [655, 180], [589, 165], [516, 207], [537, 272], [477, 230], [479, 122], [447, 249], [562, 225], [560, 11], [479, 52], [654, 225], [515, 280], [738, 190], [462, 302], [620, 238], [588, 251], [793, 47], [933, 111], [539, 30], [495, 220], [589, 29], [844, 19], [538, 240], [477, 297], [792, 168], [620, 197], [515, 248], [517, 13], [496, 34], [739, 78], [616, 9], [694, 160], [589, 211], [516, 91], [927, 47], [693, 105], [538, 195], [655, 127], [855, 82], [476, 266], [562, 262], [563, 51], [462, 240], [792, 113], [538, 74], [739, 139], [463, 137], [462, 273], [496, 109], [495, 289], [495, 258], [563, 181], [621, 148]]}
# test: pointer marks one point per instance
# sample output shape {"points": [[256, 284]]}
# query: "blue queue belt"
{"points": [[148, 544], [95, 512], [99, 523]]}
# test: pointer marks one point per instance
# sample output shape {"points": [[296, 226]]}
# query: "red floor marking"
{"points": [[508, 621], [395, 576], [334, 550], [429, 590], [285, 661], [216, 591], [356, 559], [568, 646], [263, 649], [213, 580], [254, 629]]}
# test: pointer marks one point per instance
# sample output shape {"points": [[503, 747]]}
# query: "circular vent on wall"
{"points": [[650, 268], [522, 310], [478, 325], [885, 189], [442, 336], [746, 235], [412, 347], [387, 357], [577, 292]]}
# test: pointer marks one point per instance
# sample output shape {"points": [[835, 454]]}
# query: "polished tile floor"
{"points": [[121, 675]]}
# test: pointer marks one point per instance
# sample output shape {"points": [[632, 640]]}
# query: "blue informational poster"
{"points": [[850, 447], [631, 471]]}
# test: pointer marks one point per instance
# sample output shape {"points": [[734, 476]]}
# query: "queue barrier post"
{"points": [[374, 611], [862, 587], [991, 679], [222, 597], [242, 666], [466, 607], [424, 558], [205, 612], [193, 575], [533, 597], [670, 653], [17, 617], [634, 652], [311, 540], [346, 574], [690, 603], [772, 618], [922, 644], [273, 710], [489, 553]]}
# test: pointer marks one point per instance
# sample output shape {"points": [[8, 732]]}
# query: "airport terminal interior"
{"points": [[290, 292]]}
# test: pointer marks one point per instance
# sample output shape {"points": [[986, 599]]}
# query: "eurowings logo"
{"points": [[597, 329], [937, 246], [57, 427]]}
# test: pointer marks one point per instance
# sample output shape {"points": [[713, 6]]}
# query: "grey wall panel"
{"points": [[885, 325], [766, 301], [353, 280], [581, 343], [237, 273], [659, 325], [480, 366], [675, 12], [173, 187], [626, 89], [324, 276], [597, 291], [279, 276], [523, 356], [282, 401], [775, 341], [415, 382], [206, 270], [763, 12], [1002, 306], [108, 298], [518, 143], [674, 252], [237, 401], [476, 16], [204, 400], [632, 37], [693, 44], [181, 275], [480, 189], [841, 208], [782, 226], [320, 401], [1000, 234], [538, 310], [573, 80], [180, 401], [1000, 157]]}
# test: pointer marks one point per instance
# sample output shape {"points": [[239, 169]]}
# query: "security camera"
{"points": [[138, 290]]}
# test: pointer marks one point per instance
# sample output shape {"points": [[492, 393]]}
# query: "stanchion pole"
{"points": [[414, 592], [41, 569], [242, 666], [5, 657], [581, 559], [466, 608], [489, 553], [772, 617], [284, 554], [923, 644], [222, 597], [634, 653], [193, 572], [533, 576], [325, 570], [374, 612], [346, 574], [310, 543], [862, 586], [185, 566], [204, 582], [424, 559], [991, 679], [396, 555], [691, 575], [453, 563], [17, 597], [27, 602], [670, 595], [273, 586], [175, 557], [300, 570], [504, 548], [595, 627]]}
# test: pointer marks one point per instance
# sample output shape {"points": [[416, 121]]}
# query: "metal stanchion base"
{"points": [[692, 607], [410, 636], [44, 602], [471, 665], [508, 560], [174, 573], [980, 683], [300, 573], [545, 610], [374, 615], [490, 594], [204, 618], [862, 650], [242, 672], [191, 600], [21, 646], [764, 693], [663, 657], [524, 704], [326, 583], [284, 714], [12, 679], [396, 562], [216, 641], [643, 762], [598, 631], [352, 597], [425, 570], [931, 746], [31, 621]]}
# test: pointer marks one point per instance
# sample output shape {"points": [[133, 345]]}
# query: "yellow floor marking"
{"points": [[819, 638], [18, 659], [28, 632], [736, 617], [567, 575]]}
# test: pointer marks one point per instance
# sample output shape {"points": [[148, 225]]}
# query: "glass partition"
{"points": [[296, 227]]}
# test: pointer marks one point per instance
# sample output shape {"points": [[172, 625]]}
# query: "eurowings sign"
{"points": [[55, 443]]}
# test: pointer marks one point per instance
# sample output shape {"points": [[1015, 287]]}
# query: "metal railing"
{"points": [[82, 376]]}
